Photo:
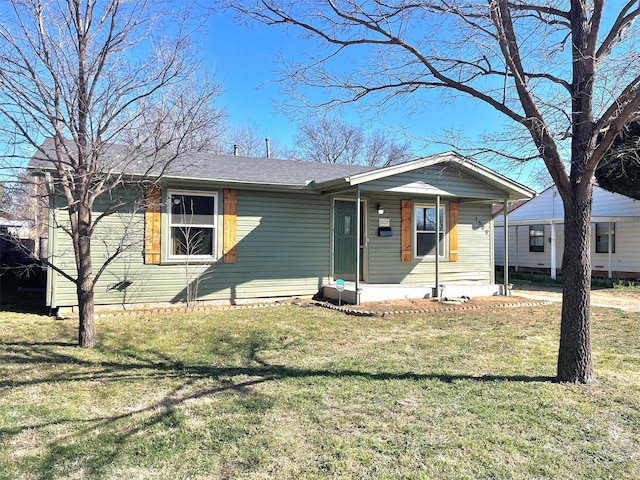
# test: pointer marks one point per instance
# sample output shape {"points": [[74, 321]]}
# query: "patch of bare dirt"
{"points": [[433, 304], [627, 299]]}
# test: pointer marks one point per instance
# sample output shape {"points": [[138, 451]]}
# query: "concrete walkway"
{"points": [[605, 298]]}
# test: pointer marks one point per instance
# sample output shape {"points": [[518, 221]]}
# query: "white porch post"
{"points": [[610, 247], [517, 257], [553, 251], [505, 277], [358, 221], [438, 245]]}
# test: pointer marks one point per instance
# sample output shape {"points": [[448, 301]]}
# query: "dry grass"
{"points": [[294, 392]]}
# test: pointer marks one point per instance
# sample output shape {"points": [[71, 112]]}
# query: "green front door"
{"points": [[344, 240]]}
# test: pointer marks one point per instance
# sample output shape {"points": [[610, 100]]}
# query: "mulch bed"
{"points": [[367, 309], [412, 306]]}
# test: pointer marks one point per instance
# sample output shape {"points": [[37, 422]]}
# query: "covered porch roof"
{"points": [[498, 187]]}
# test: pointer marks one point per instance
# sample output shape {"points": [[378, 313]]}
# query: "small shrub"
{"points": [[623, 284]]}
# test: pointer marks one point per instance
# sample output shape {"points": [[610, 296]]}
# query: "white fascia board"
{"points": [[218, 181], [521, 191], [330, 184], [622, 219], [400, 168], [560, 220], [515, 190], [536, 221]]}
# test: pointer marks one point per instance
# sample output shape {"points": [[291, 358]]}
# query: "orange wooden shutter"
{"points": [[153, 197], [230, 219], [405, 231], [453, 232]]}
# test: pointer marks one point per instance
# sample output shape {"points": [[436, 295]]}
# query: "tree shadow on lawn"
{"points": [[97, 444], [157, 365]]}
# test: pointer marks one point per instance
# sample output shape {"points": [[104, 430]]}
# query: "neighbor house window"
{"points": [[536, 238], [425, 223], [602, 237], [192, 224]]}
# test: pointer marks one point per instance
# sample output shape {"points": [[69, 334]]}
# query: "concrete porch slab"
{"points": [[381, 292]]}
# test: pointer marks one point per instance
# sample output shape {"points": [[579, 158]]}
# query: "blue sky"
{"points": [[245, 61]]}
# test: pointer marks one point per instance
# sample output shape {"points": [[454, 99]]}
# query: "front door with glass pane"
{"points": [[344, 239]]}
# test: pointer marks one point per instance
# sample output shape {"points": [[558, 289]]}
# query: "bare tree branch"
{"points": [[80, 80], [541, 64], [329, 140], [626, 16]]}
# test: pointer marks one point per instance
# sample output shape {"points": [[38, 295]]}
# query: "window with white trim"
{"points": [[536, 238], [602, 237], [425, 230], [192, 225]]}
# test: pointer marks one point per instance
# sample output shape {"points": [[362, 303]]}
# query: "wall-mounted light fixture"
{"points": [[380, 209]]}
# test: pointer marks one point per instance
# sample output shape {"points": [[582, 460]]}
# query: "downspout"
{"points": [[554, 261], [505, 279], [438, 246], [52, 233], [51, 273], [517, 256], [358, 221], [610, 248]]}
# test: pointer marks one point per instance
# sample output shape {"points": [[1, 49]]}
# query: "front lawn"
{"points": [[304, 392]]}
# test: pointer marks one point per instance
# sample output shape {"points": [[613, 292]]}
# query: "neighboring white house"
{"points": [[536, 235], [18, 228]]}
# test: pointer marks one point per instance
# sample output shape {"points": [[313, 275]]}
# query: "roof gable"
{"points": [[495, 185]]}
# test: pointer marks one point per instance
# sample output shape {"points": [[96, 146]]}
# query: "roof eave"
{"points": [[514, 190], [330, 184], [397, 169], [270, 185]]}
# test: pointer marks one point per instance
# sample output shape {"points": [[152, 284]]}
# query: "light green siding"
{"points": [[474, 245], [284, 245], [447, 181], [282, 250]]}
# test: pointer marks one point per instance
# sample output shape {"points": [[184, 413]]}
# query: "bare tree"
{"points": [[249, 140], [116, 88], [381, 150], [330, 140], [191, 242], [245, 139], [568, 73]]}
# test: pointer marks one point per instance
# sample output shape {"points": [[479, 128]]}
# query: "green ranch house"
{"points": [[237, 229]]}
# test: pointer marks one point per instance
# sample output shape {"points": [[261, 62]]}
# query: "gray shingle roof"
{"points": [[216, 167], [261, 170]]}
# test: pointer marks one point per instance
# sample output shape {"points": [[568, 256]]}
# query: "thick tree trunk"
{"points": [[87, 324], [574, 357], [84, 289]]}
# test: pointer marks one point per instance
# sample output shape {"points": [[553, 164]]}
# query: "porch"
{"points": [[379, 292]]}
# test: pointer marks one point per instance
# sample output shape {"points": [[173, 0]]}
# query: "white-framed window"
{"points": [[425, 230], [536, 238], [192, 224], [602, 237]]}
